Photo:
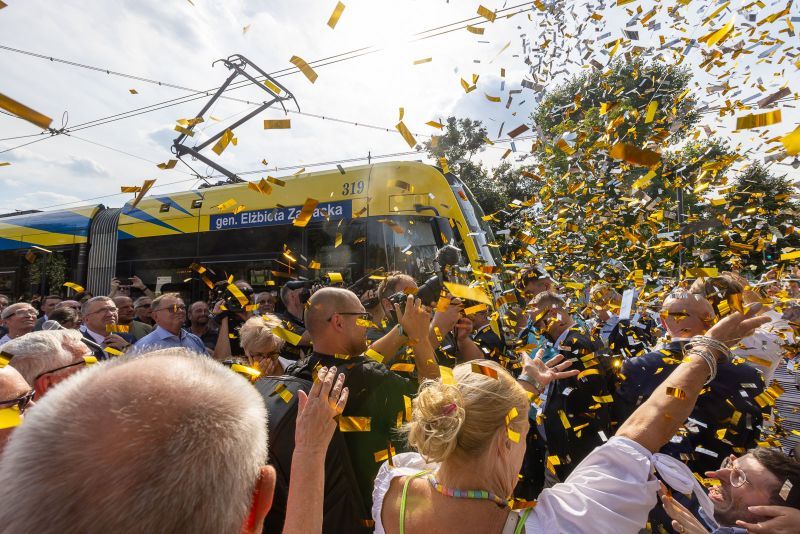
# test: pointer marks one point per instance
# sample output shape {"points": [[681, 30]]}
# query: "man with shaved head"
{"points": [[337, 322], [164, 442], [726, 404]]}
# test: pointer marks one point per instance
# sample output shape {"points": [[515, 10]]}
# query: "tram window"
{"points": [[413, 250], [348, 258], [242, 242]]}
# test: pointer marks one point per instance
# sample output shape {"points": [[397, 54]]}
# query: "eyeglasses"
{"points": [[264, 355], [738, 477], [107, 309], [21, 402], [175, 308], [361, 315], [57, 369]]}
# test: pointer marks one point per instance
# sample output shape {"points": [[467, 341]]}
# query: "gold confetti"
{"points": [[385, 454], [337, 12], [434, 124], [635, 155], [468, 293], [758, 120], [424, 60], [165, 166], [226, 205], [402, 367], [10, 417], [272, 87], [305, 68], [477, 30], [487, 13], [286, 335], [472, 310], [404, 131], [117, 328], [717, 36], [24, 112], [374, 354], [676, 392], [443, 164], [652, 107], [284, 393], [351, 423], [306, 212], [484, 370], [223, 142], [133, 91], [75, 287], [262, 187], [335, 278], [447, 376], [791, 142], [277, 124], [518, 130]]}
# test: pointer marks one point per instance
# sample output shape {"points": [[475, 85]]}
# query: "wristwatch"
{"points": [[536, 385]]}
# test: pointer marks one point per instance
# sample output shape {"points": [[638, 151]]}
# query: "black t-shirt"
{"points": [[375, 393], [297, 326]]}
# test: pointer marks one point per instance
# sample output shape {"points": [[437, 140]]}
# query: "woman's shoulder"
{"points": [[405, 464]]}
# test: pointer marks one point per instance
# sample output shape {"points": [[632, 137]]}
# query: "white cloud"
{"points": [[40, 199]]}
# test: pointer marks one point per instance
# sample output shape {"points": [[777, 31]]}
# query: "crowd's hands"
{"points": [[116, 342], [781, 520], [137, 283], [463, 329], [415, 319], [316, 412], [544, 373], [682, 519], [736, 326], [446, 320]]}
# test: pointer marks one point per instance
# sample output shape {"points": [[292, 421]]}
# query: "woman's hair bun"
{"points": [[437, 417]]}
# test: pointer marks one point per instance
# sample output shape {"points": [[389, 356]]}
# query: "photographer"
{"points": [[122, 287], [230, 314], [294, 294]]}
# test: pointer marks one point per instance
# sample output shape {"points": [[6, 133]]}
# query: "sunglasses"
{"points": [[21, 402], [361, 315]]}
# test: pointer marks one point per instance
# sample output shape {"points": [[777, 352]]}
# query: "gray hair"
{"points": [[164, 442], [12, 309], [86, 305], [39, 352], [138, 302]]}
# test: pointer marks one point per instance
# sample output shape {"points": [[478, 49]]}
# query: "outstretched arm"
{"points": [[659, 418]]}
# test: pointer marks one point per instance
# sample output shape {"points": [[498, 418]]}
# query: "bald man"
{"points": [[337, 322], [727, 403], [164, 442], [15, 394]]}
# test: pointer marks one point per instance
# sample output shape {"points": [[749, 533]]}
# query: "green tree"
{"points": [[459, 144]]}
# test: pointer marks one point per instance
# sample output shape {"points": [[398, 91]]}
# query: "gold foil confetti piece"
{"points": [[249, 373], [286, 335], [351, 423], [117, 328], [718, 36], [272, 87], [435, 124], [374, 354], [676, 392], [337, 12], [513, 436], [284, 393], [275, 181], [758, 120], [443, 164], [402, 367], [423, 60], [133, 91], [518, 130], [407, 405], [472, 310], [262, 187], [10, 417], [588, 372], [335, 278], [75, 287], [635, 155], [24, 112], [564, 420], [404, 131], [468, 293], [487, 13], [791, 142], [314, 264], [277, 124], [223, 142], [112, 351], [484, 370], [652, 107], [226, 205], [385, 454], [477, 30], [446, 375], [305, 68], [306, 212], [184, 131], [166, 166], [236, 292]]}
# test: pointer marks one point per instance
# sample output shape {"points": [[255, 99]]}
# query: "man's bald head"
{"points": [[331, 320], [686, 314], [168, 441], [12, 386]]}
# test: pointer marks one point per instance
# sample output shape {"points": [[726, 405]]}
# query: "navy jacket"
{"points": [[101, 354], [726, 419]]}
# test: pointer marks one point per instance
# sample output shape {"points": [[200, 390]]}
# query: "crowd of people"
{"points": [[599, 408]]}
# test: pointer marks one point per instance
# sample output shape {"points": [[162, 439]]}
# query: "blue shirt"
{"points": [[161, 339]]}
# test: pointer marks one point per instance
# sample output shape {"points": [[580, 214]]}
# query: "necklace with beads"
{"points": [[469, 494]]}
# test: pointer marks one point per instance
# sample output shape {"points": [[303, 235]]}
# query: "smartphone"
{"points": [[125, 281]]}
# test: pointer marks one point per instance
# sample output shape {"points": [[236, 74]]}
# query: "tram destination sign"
{"points": [[286, 215]]}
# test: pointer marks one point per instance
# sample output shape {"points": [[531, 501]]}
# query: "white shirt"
{"points": [[97, 338], [612, 490]]}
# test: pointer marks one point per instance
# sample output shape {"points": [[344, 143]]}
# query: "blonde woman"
{"points": [[261, 346]]}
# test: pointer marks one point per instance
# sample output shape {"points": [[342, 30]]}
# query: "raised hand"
{"points": [[544, 373], [737, 325], [316, 412]]}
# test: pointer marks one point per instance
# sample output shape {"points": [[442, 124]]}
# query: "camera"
{"points": [[305, 285], [429, 291], [232, 304]]}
